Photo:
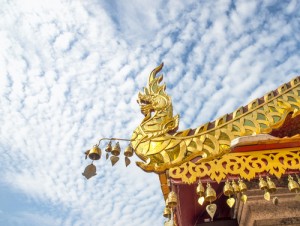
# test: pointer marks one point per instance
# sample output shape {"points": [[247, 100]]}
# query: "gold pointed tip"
{"points": [[159, 67]]}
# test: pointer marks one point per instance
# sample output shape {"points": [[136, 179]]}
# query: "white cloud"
{"points": [[70, 74]]}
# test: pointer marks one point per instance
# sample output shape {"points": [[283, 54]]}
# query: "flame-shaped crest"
{"points": [[153, 83]]}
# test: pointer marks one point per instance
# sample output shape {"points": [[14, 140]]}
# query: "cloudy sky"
{"points": [[70, 72]]}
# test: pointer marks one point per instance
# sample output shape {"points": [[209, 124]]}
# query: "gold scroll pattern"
{"points": [[161, 150], [259, 118], [246, 165]]}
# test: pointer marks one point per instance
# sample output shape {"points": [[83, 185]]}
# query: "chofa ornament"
{"points": [[157, 142]]}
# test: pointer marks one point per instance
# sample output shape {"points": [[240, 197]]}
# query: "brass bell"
{"points": [[227, 189], [89, 171], [271, 185], [172, 199], [108, 147], [293, 185], [210, 193], [200, 189], [167, 202], [242, 186], [95, 153], [167, 212], [262, 184], [128, 151], [116, 149], [235, 187]]}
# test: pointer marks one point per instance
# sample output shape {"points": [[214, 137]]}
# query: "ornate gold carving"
{"points": [[246, 165], [157, 144]]}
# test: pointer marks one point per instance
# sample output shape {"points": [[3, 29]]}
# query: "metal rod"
{"points": [[113, 138]]}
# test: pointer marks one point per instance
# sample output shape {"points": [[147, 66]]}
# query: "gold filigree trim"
{"points": [[246, 165]]}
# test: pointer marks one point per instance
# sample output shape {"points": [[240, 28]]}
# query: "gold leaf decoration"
{"points": [[157, 143]]}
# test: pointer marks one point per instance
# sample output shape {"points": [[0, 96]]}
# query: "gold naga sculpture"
{"points": [[157, 143]]}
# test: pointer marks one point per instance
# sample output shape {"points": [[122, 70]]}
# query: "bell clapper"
{"points": [[228, 191], [200, 190], [243, 189], [264, 186], [210, 196], [294, 186], [271, 188]]}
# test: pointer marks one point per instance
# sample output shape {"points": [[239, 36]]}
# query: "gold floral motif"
{"points": [[158, 144], [246, 165]]}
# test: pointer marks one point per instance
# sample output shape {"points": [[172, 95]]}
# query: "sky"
{"points": [[70, 72]]}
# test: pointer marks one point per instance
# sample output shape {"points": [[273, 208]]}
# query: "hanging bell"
{"points": [[128, 151], [172, 199], [89, 171], [108, 147], [271, 185], [200, 189], [167, 212], [167, 203], [116, 149], [293, 185], [262, 184], [235, 187], [210, 193], [242, 186], [95, 153], [227, 189]]}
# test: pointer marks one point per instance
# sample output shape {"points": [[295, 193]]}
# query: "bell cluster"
{"points": [[171, 203], [112, 153], [231, 189], [269, 187], [237, 189]]}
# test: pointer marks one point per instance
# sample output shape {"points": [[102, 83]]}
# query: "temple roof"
{"points": [[189, 212], [273, 150]]}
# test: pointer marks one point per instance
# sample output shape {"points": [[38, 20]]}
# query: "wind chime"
{"points": [[112, 153], [233, 190], [171, 202]]}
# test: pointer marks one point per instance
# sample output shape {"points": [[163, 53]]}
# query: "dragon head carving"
{"points": [[157, 108], [154, 99]]}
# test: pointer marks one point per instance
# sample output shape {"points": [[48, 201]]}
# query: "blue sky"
{"points": [[70, 72]]}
